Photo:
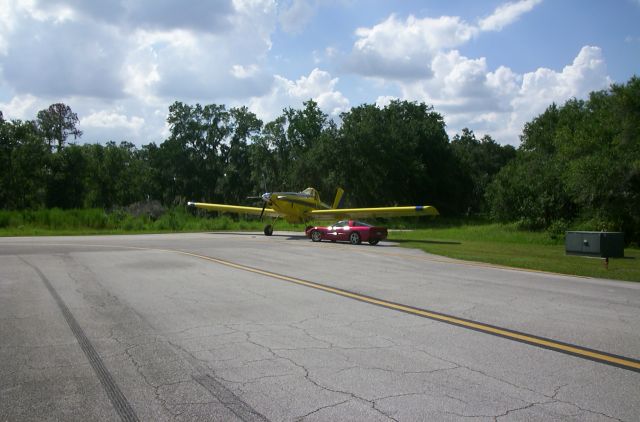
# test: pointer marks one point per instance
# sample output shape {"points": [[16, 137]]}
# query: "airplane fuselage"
{"points": [[295, 206]]}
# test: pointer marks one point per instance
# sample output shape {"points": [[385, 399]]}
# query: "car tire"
{"points": [[268, 230], [354, 238], [373, 242], [316, 236]]}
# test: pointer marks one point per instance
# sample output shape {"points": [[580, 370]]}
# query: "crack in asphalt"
{"points": [[308, 377], [300, 418], [138, 368], [374, 403], [207, 378]]}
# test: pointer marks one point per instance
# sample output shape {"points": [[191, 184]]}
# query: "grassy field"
{"points": [[501, 244], [56, 222]]}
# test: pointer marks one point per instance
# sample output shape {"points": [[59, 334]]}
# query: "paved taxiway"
{"points": [[164, 327]]}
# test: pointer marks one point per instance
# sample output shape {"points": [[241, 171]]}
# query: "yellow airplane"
{"points": [[298, 207]]}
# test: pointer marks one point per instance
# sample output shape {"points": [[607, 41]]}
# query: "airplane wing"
{"points": [[234, 209], [386, 212]]}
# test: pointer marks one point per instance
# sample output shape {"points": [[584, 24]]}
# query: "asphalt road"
{"points": [[238, 326]]}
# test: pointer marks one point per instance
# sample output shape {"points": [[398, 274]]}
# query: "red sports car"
{"points": [[348, 230]]}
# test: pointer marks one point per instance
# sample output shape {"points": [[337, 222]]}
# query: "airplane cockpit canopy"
{"points": [[311, 192]]}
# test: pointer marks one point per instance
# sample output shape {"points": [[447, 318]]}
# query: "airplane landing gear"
{"points": [[268, 230]]}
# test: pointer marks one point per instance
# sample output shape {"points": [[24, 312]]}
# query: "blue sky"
{"points": [[490, 66]]}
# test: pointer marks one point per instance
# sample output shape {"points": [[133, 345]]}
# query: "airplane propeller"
{"points": [[262, 213], [266, 197]]}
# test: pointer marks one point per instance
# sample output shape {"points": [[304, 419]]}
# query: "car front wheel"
{"points": [[354, 238], [316, 236]]}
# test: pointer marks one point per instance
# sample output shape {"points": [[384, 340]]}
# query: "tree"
{"points": [[399, 154], [193, 153], [66, 184], [24, 165], [57, 123], [482, 160], [308, 132], [602, 156], [296, 150], [578, 162], [236, 183], [531, 188], [119, 175]]}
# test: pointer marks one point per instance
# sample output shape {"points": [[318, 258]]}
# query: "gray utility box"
{"points": [[600, 244]]}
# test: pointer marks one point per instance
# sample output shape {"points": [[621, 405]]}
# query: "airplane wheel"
{"points": [[316, 236], [373, 242], [354, 238], [268, 230]]}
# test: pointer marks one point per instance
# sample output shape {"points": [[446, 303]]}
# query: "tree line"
{"points": [[578, 165], [579, 162]]}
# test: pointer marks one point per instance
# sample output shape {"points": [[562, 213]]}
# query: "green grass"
{"points": [[473, 240], [56, 222], [506, 245]]}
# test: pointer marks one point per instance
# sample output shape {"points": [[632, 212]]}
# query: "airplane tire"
{"points": [[373, 242], [354, 238], [316, 236], [268, 230]]}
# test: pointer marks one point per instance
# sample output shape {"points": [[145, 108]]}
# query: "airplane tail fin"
{"points": [[337, 203]]}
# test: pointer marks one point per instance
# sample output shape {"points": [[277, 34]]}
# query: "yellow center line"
{"points": [[582, 352], [595, 355]]}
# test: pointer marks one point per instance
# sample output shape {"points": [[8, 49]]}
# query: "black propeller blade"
{"points": [[263, 207]]}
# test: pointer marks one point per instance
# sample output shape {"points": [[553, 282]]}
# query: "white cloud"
{"points": [[120, 64], [144, 54], [319, 86], [225, 66], [295, 17], [420, 57], [23, 107], [540, 88], [7, 23], [116, 51], [111, 119], [244, 72], [384, 100], [404, 50], [500, 102], [45, 58], [506, 14]]}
